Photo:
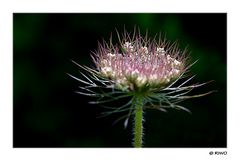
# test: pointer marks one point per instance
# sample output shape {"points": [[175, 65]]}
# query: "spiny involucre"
{"points": [[139, 66]]}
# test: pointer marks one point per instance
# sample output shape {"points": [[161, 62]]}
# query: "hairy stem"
{"points": [[138, 121]]}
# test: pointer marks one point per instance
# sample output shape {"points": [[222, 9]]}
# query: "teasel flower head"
{"points": [[140, 64], [150, 73]]}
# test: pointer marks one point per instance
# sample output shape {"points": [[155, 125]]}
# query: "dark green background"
{"points": [[47, 112]]}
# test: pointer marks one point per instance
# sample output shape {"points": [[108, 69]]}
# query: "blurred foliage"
{"points": [[47, 112]]}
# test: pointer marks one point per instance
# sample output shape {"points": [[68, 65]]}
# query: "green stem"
{"points": [[138, 121]]}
